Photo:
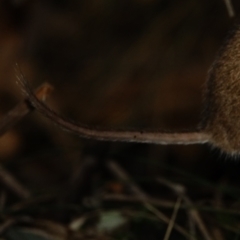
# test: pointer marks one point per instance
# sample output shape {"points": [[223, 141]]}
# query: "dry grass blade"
{"points": [[173, 218], [230, 8], [180, 191], [13, 185], [123, 176], [135, 199]]}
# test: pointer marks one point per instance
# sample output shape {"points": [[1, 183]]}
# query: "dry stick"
{"points": [[10, 119], [180, 191], [123, 176], [23, 108], [157, 137], [230, 9]]}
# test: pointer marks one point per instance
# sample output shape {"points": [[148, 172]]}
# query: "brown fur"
{"points": [[222, 98]]}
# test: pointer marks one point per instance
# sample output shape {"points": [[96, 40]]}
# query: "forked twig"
{"points": [[23, 108]]}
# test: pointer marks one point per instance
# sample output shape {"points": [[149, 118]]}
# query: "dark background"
{"points": [[134, 64]]}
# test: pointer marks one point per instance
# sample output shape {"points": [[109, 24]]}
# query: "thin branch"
{"points": [[23, 108], [156, 137]]}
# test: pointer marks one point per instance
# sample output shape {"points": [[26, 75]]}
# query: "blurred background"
{"points": [[129, 64]]}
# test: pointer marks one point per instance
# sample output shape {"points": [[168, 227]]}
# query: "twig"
{"points": [[123, 176], [230, 9], [10, 119], [22, 109], [180, 191]]}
